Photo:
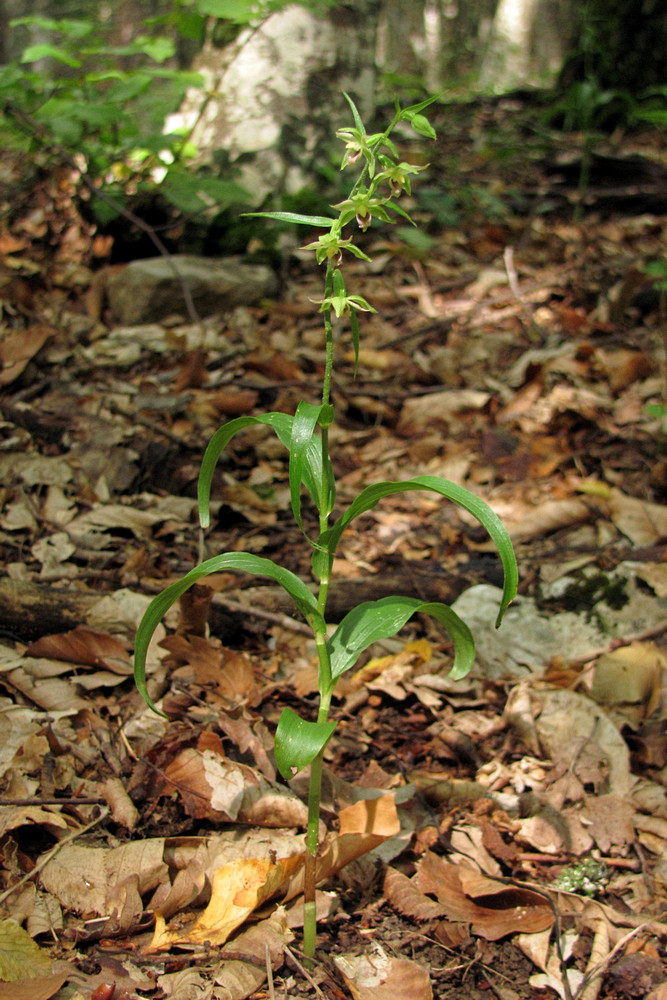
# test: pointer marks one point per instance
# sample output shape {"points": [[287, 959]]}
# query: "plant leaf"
{"points": [[281, 423], [369, 498], [235, 562], [295, 217], [399, 211], [357, 119], [298, 742], [34, 53], [414, 109], [303, 433], [374, 620]]}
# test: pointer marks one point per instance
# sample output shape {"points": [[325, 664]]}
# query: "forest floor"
{"points": [[504, 834]]}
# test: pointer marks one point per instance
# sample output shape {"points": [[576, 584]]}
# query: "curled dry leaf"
{"points": [[408, 899], [371, 816], [123, 810], [86, 647], [492, 909], [16, 351], [631, 675], [213, 787], [84, 879], [201, 661], [381, 977], [239, 887]]}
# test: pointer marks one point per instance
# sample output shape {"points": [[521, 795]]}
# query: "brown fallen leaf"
{"points": [[378, 821], [408, 899], [37, 988], [643, 522], [84, 646], [214, 787], [239, 887], [16, 351], [492, 908], [381, 977], [371, 816], [631, 675], [204, 662]]}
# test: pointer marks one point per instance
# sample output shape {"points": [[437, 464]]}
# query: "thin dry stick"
{"points": [[627, 640], [50, 854], [600, 968], [269, 972], [533, 326], [304, 972], [269, 616], [35, 800]]}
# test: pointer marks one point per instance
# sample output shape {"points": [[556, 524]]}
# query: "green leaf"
{"points": [[295, 217], [281, 424], [36, 52], [357, 119], [375, 620], [414, 109], [371, 496], [71, 28], [357, 252], [298, 742], [303, 432], [238, 11], [158, 49], [399, 211], [390, 146], [234, 562]]}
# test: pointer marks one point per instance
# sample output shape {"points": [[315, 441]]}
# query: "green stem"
{"points": [[313, 831], [325, 680], [328, 333], [385, 135]]}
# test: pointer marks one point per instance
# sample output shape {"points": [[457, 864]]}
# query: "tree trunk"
{"points": [[273, 95], [526, 45]]}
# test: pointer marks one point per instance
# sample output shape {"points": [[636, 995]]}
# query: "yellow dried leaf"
{"points": [[20, 957], [377, 817], [239, 887]]}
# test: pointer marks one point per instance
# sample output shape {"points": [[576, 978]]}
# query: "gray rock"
{"points": [[150, 290]]}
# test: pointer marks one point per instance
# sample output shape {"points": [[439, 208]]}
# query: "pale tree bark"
{"points": [[526, 45], [274, 93]]}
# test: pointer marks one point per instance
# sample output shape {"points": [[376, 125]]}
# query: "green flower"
{"points": [[397, 175], [358, 143], [330, 246], [362, 206], [341, 302]]}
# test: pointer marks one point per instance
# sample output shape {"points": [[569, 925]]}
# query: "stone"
{"points": [[150, 289]]}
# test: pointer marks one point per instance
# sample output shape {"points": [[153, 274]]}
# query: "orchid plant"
{"points": [[301, 742]]}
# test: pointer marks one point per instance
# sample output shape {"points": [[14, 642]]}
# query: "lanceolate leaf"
{"points": [[374, 620], [303, 433], [235, 562], [371, 496], [414, 109], [298, 742], [357, 119], [303, 220], [281, 423]]}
